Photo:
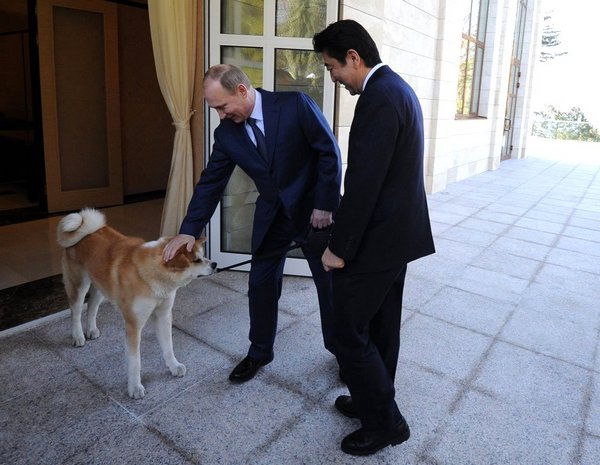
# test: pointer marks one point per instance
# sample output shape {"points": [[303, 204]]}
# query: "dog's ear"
{"points": [[201, 240], [180, 261], [177, 263]]}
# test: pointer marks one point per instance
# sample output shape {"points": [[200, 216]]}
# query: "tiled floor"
{"points": [[499, 361]]}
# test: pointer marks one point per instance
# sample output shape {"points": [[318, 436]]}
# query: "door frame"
{"points": [[268, 42]]}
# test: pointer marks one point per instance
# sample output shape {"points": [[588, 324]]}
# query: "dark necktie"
{"points": [[261, 142]]}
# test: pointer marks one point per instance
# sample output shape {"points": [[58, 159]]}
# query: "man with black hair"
{"points": [[382, 224]]}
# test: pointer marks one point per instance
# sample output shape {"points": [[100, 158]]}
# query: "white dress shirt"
{"points": [[373, 69], [257, 114]]}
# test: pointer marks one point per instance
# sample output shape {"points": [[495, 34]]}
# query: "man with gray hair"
{"points": [[282, 141]]}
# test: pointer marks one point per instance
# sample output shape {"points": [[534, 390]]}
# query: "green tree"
{"points": [[552, 123]]}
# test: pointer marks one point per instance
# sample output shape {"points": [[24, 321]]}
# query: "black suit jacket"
{"points": [[303, 171], [383, 219]]}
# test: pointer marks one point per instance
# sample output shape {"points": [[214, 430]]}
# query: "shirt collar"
{"points": [[373, 69], [257, 112]]}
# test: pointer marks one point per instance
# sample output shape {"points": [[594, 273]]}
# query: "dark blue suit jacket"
{"points": [[383, 220], [303, 171]]}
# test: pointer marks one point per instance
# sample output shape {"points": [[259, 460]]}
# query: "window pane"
{"points": [[237, 213], [467, 22], [300, 18], [477, 81], [474, 18], [299, 70], [519, 32], [469, 78], [237, 205], [483, 14], [462, 77], [242, 17], [249, 59]]}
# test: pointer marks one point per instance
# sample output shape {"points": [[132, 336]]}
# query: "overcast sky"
{"points": [[572, 79]]}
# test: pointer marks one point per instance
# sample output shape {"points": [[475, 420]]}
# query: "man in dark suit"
{"points": [[283, 142], [381, 225]]}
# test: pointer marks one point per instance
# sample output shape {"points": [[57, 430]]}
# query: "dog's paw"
{"points": [[178, 370], [78, 340], [136, 392], [93, 333]]}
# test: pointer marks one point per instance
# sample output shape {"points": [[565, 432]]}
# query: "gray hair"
{"points": [[229, 76]]}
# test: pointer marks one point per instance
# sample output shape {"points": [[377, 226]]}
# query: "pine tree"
{"points": [[550, 40]]}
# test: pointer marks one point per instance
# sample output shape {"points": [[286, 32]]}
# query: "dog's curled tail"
{"points": [[74, 227]]}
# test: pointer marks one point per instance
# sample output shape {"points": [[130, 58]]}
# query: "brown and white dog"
{"points": [[132, 275]]}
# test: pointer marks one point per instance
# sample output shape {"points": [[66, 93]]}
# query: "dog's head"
{"points": [[192, 264]]}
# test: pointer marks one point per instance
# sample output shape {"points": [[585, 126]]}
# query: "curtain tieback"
{"points": [[184, 124]]}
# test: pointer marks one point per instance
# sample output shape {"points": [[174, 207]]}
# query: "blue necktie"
{"points": [[261, 142]]}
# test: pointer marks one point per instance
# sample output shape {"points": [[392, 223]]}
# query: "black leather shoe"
{"points": [[247, 368], [367, 442], [346, 407]]}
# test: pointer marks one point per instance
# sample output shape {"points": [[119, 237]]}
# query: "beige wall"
{"points": [[420, 40], [146, 129]]}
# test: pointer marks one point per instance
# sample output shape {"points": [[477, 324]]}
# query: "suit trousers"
{"points": [[366, 317], [265, 282]]}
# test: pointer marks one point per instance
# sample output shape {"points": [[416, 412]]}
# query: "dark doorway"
{"points": [[21, 153]]}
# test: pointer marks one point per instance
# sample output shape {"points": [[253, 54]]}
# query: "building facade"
{"points": [[471, 63], [422, 41]]}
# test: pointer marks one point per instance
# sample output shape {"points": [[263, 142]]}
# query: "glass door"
{"points": [[271, 41], [513, 84]]}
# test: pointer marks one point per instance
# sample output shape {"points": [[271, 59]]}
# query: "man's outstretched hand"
{"points": [[176, 243]]}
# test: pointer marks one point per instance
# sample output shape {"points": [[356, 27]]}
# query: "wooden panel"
{"points": [[79, 80]]}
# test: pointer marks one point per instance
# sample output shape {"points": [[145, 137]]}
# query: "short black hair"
{"points": [[341, 36]]}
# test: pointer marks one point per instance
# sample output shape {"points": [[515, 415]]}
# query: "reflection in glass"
{"points": [[462, 77], [299, 70], [469, 79], [482, 24], [300, 18], [237, 206], [81, 99], [242, 17], [471, 63], [249, 59], [237, 212], [478, 67], [466, 23]]}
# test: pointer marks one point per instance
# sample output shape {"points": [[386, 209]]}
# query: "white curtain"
{"points": [[173, 30]]}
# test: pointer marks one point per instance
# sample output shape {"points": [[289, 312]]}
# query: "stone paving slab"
{"points": [[499, 361]]}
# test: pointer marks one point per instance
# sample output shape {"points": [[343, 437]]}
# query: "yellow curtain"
{"points": [[173, 31]]}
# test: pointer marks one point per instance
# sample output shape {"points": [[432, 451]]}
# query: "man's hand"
{"points": [[320, 219], [331, 261], [176, 243]]}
